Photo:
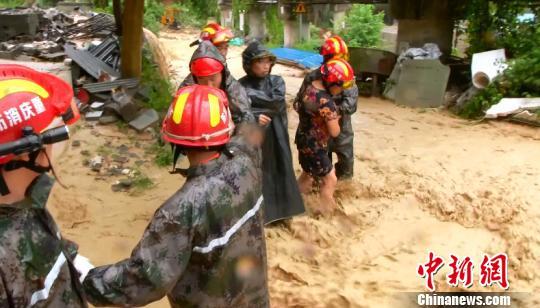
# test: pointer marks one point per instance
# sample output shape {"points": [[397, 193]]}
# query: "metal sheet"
{"points": [[108, 86], [89, 63], [375, 61]]}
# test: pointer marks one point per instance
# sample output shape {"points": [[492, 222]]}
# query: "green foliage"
{"points": [[11, 3], [163, 155], [141, 181], [105, 10], [314, 43], [274, 25], [201, 9], [493, 25], [153, 11], [160, 88], [521, 79], [362, 26]]}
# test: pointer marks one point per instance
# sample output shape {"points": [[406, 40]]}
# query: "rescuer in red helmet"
{"points": [[318, 123], [205, 246], [219, 36], [36, 262], [335, 48], [208, 67]]}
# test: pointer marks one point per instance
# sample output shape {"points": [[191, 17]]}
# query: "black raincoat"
{"points": [[282, 197], [343, 144], [238, 100]]}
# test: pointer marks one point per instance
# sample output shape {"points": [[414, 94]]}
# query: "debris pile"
{"points": [[120, 165], [88, 43]]}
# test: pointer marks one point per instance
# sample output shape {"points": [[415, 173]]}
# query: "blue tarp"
{"points": [[303, 58]]}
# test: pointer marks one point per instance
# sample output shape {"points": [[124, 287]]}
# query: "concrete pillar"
{"points": [[226, 18], [241, 23], [292, 28], [339, 12], [257, 23]]}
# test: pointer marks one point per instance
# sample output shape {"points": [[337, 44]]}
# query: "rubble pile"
{"points": [[88, 43]]}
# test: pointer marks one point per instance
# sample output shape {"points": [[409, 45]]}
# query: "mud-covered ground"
{"points": [[424, 181]]}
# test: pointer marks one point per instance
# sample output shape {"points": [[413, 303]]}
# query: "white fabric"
{"points": [[508, 106], [83, 266], [49, 280], [221, 241]]}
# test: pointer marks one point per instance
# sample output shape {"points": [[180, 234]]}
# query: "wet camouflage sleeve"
{"points": [[155, 264], [348, 100], [239, 101], [32, 252]]}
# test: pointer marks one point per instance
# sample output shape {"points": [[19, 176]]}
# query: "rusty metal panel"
{"points": [[369, 60]]}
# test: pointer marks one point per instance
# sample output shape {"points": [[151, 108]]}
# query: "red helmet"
{"points": [[31, 99], [210, 30], [199, 116], [203, 67], [334, 47], [338, 71]]}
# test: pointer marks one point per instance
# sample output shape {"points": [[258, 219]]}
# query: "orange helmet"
{"points": [[216, 33], [338, 72], [334, 47], [210, 30], [198, 117], [222, 36]]}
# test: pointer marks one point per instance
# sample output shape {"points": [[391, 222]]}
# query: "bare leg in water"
{"points": [[305, 182], [328, 187]]}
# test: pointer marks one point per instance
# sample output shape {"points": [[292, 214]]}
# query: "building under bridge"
{"points": [[419, 21]]}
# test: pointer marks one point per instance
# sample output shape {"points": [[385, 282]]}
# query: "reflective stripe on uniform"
{"points": [[218, 242], [49, 280]]}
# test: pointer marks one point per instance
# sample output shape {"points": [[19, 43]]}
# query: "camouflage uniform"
{"points": [[343, 144], [239, 102], [35, 262], [204, 246]]}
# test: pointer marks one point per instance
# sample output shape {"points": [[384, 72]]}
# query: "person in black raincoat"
{"points": [[282, 198], [239, 101]]}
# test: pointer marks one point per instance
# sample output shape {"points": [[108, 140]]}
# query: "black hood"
{"points": [[255, 50], [207, 50]]}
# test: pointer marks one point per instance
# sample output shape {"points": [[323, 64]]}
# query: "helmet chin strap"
{"points": [[30, 165]]}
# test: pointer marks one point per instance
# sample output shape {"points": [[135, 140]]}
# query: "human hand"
{"points": [[264, 120]]}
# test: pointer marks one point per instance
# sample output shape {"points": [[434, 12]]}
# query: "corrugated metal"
{"points": [[89, 63], [108, 86]]}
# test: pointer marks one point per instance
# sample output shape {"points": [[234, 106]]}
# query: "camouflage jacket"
{"points": [[35, 263], [347, 101], [204, 247], [240, 104]]}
